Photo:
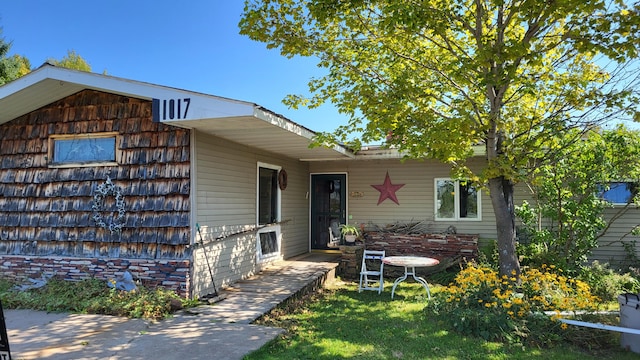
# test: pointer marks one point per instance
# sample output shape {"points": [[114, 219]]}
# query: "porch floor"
{"points": [[248, 299]]}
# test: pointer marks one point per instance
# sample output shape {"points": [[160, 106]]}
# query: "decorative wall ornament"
{"points": [[388, 190], [116, 221], [331, 186], [282, 179]]}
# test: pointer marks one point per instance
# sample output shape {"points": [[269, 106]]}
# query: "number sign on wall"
{"points": [[170, 109]]}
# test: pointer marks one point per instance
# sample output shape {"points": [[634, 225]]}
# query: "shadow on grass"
{"points": [[344, 324]]}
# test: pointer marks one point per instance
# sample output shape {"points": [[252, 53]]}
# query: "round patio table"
{"points": [[410, 264]]}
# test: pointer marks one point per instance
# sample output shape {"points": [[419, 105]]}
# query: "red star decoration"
{"points": [[388, 190]]}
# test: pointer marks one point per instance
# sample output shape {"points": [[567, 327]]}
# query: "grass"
{"points": [[341, 323]]}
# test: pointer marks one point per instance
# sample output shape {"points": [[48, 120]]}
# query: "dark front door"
{"points": [[328, 208]]}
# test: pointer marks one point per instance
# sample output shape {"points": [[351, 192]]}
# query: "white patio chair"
{"points": [[334, 235], [372, 277]]}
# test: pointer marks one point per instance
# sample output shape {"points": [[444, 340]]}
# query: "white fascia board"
{"points": [[376, 152], [297, 129], [201, 106], [282, 123], [179, 107], [22, 82]]}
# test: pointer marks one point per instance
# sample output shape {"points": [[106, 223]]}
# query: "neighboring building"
{"points": [[100, 174]]}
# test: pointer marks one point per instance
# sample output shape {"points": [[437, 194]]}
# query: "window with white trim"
{"points": [[268, 243], [268, 216], [83, 150], [456, 200], [619, 192]]}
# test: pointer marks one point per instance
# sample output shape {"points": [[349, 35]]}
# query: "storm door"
{"points": [[268, 202], [328, 208]]}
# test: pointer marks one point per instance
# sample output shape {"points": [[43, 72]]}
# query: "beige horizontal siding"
{"points": [[416, 197], [230, 260], [226, 204], [416, 200], [611, 246]]}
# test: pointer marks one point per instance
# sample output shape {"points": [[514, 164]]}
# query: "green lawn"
{"points": [[342, 323]]}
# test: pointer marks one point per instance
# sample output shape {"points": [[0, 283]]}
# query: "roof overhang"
{"points": [[238, 121]]}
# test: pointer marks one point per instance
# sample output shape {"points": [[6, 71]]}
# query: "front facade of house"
{"points": [[99, 175]]}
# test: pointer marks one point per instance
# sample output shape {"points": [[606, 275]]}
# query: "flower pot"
{"points": [[350, 239]]}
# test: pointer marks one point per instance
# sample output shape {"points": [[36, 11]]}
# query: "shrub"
{"points": [[481, 303], [93, 296], [56, 296], [606, 283], [142, 303]]}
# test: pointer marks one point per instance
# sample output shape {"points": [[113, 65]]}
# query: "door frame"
{"points": [[312, 198], [268, 228]]}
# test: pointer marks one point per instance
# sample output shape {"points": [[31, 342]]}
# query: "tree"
{"points": [[24, 65], [566, 219], [436, 77], [15, 66], [72, 61], [11, 67]]}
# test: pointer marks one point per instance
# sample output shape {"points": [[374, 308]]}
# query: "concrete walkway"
{"points": [[219, 331]]}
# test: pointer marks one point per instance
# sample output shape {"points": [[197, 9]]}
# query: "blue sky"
{"points": [[191, 45]]}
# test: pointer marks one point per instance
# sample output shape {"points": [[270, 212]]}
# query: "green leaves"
{"points": [[443, 76], [73, 61], [11, 67], [434, 78], [563, 224]]}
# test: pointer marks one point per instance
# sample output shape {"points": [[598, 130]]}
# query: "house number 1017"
{"points": [[170, 109]]}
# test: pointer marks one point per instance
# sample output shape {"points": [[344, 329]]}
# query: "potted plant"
{"points": [[349, 232]]}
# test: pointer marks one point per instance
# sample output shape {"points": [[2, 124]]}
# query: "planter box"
{"points": [[439, 246], [444, 247], [448, 248]]}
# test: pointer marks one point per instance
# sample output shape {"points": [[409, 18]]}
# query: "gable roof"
{"points": [[239, 121]]}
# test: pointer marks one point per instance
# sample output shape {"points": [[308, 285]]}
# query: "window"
{"points": [[79, 150], [268, 192], [456, 200], [619, 193], [268, 216], [268, 244]]}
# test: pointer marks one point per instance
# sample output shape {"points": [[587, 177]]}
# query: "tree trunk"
{"points": [[501, 192]]}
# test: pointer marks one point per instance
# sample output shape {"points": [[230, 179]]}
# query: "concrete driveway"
{"points": [[41, 335]]}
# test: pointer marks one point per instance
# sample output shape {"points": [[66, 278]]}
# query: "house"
{"points": [[100, 174]]}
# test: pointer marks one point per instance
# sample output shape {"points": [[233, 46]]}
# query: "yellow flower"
{"points": [[564, 326]]}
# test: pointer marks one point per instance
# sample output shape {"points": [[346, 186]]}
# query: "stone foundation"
{"points": [[350, 261], [168, 274]]}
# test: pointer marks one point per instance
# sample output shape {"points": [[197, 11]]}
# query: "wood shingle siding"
{"points": [[47, 210]]}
